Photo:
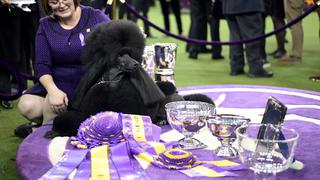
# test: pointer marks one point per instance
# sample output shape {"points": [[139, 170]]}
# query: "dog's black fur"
{"points": [[114, 79]]}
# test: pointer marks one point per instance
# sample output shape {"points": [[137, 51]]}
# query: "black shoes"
{"points": [[219, 57], [204, 50], [277, 54], [7, 104], [24, 130], [193, 55], [235, 73], [260, 74], [266, 63]]}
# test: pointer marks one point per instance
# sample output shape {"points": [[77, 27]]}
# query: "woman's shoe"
{"points": [[24, 130], [7, 104]]}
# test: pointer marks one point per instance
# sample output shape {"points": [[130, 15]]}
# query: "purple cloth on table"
{"points": [[58, 50], [33, 161]]}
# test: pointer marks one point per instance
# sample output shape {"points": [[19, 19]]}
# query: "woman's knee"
{"points": [[30, 107]]}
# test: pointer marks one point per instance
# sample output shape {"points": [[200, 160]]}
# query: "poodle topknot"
{"points": [[113, 39]]}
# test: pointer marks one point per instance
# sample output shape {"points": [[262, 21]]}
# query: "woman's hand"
{"points": [[58, 100]]}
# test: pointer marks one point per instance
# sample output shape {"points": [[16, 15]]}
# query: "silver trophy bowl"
{"points": [[223, 126], [188, 117]]}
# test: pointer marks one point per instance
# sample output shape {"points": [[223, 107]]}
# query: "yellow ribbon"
{"points": [[138, 128], [205, 171], [221, 163], [100, 163]]}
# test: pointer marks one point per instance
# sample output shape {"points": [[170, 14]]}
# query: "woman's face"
{"points": [[62, 8]]}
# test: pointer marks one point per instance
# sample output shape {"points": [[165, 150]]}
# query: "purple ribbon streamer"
{"points": [[84, 171], [70, 160], [127, 127], [124, 163]]}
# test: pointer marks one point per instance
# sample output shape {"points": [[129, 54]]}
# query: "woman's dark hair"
{"points": [[47, 9]]}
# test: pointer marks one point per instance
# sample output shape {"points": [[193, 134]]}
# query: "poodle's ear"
{"points": [[198, 97]]}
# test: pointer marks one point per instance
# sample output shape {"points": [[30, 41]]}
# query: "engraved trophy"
{"points": [[165, 59], [188, 117], [148, 60], [223, 126], [269, 153]]}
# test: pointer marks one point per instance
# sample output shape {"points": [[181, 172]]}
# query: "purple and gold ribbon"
{"points": [[100, 163], [207, 170], [137, 127], [127, 167], [111, 128], [69, 162], [168, 157]]}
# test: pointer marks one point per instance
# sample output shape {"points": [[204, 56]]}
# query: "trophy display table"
{"points": [[36, 154]]}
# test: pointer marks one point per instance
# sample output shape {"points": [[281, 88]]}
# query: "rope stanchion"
{"points": [[202, 42], [20, 77]]}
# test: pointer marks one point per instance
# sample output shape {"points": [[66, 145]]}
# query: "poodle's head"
{"points": [[109, 40]]}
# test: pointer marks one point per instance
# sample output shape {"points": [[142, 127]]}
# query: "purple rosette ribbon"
{"points": [[104, 128], [176, 159], [111, 128]]}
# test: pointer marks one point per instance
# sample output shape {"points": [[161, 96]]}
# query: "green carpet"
{"points": [[194, 72]]}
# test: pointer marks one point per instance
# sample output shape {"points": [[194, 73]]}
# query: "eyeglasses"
{"points": [[57, 2]]}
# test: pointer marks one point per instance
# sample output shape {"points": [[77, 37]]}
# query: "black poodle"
{"points": [[114, 79]]}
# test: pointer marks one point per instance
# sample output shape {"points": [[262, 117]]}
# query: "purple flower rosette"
{"points": [[100, 129], [176, 159]]}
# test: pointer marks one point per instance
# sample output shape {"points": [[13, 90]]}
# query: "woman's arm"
{"points": [[57, 99]]}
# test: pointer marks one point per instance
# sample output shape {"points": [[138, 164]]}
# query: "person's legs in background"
{"points": [[278, 16], [236, 53], [293, 9], [175, 6], [198, 27], [165, 13], [251, 25], [11, 48], [216, 15]]}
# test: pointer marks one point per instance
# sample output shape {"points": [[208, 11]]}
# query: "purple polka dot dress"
{"points": [[58, 50]]}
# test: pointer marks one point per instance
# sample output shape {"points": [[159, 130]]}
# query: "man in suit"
{"points": [[245, 21]]}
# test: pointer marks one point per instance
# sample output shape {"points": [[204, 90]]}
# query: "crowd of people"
{"points": [[50, 47]]}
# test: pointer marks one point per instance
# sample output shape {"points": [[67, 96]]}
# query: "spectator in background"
{"points": [[277, 15], [123, 11], [175, 7], [17, 32], [316, 77], [199, 13], [59, 41], [293, 9], [216, 16], [142, 6], [245, 21]]}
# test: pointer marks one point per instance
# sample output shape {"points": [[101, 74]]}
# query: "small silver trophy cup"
{"points": [[223, 126], [148, 60], [165, 59], [188, 117]]}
